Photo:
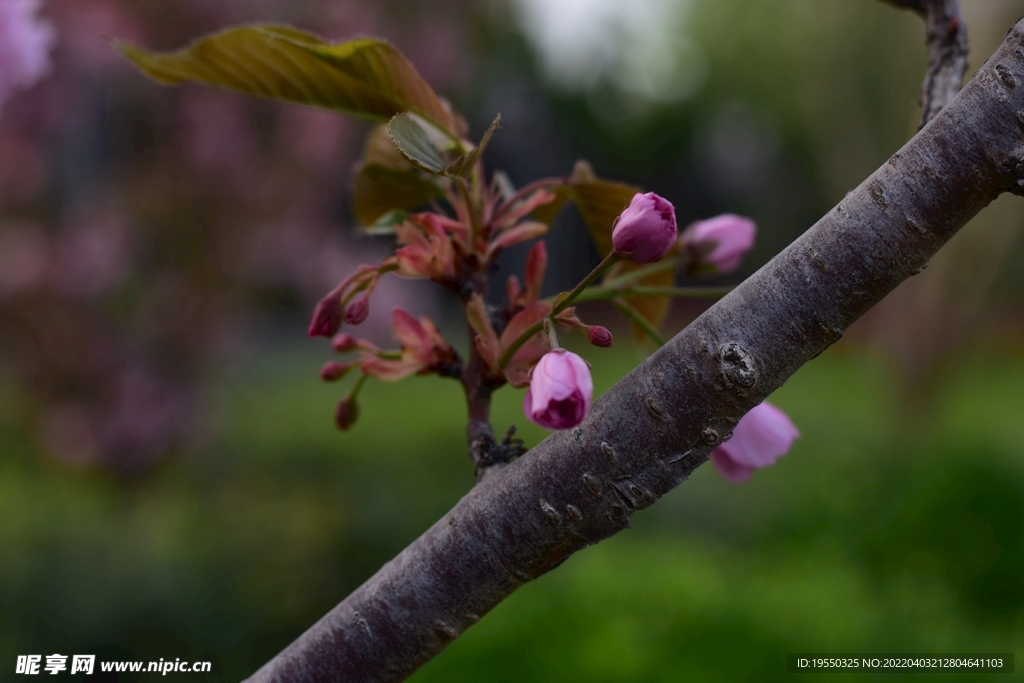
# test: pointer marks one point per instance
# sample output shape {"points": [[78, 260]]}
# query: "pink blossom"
{"points": [[25, 44], [423, 348], [647, 229], [762, 436], [428, 250], [560, 391], [718, 245], [598, 335]]}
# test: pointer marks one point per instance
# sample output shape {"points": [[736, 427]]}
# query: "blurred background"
{"points": [[172, 485]]}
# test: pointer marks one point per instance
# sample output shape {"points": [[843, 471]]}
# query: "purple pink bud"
{"points": [[333, 370], [647, 229], [346, 413], [326, 317], [560, 391], [344, 342], [599, 336], [357, 311]]}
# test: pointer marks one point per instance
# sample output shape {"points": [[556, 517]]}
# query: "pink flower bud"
{"points": [[762, 436], [560, 391], [599, 336], [718, 245], [344, 342], [647, 229], [326, 317], [357, 311], [333, 370], [346, 413]]}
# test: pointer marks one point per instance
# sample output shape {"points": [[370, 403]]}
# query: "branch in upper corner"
{"points": [[916, 5], [947, 56], [947, 52]]}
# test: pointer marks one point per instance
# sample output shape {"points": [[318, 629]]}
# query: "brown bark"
{"points": [[651, 430]]}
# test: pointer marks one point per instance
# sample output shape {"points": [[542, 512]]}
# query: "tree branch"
{"points": [[947, 52], [648, 433]]}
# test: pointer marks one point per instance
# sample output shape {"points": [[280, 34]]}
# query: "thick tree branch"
{"points": [[947, 52], [648, 433]]}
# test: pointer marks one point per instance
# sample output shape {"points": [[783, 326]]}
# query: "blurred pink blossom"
{"points": [[25, 43], [92, 254], [24, 258], [717, 246], [761, 437]]}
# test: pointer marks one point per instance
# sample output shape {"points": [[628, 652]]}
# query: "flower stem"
{"points": [[549, 328], [465, 196], [605, 293], [358, 385], [562, 301], [642, 272], [634, 315]]}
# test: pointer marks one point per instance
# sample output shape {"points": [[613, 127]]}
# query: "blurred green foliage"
{"points": [[871, 535]]}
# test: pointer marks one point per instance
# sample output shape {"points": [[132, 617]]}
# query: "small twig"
{"points": [[947, 52]]}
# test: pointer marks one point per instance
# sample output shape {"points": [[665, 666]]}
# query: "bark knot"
{"points": [[738, 367]]}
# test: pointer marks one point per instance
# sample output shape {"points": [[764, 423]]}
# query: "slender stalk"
{"points": [[562, 302], [466, 199], [635, 316], [358, 386], [549, 328], [605, 293], [643, 271]]}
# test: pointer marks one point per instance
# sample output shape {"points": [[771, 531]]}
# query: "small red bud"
{"points": [[344, 342], [333, 370], [599, 336], [346, 413], [357, 311], [326, 317]]}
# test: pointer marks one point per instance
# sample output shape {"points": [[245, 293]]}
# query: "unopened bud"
{"points": [[346, 413], [344, 342], [333, 370], [647, 229], [717, 246], [357, 311], [326, 317], [599, 336]]}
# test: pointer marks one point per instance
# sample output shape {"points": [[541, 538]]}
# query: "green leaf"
{"points": [[378, 190], [385, 182], [600, 202], [414, 141], [367, 77], [385, 225], [463, 166]]}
